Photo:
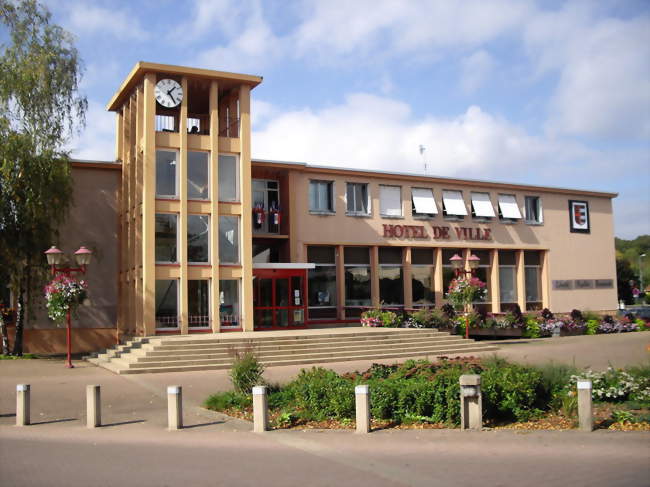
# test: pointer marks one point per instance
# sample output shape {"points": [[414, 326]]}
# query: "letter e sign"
{"points": [[579, 216]]}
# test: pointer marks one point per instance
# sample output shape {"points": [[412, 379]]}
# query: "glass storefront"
{"points": [[391, 276], [357, 280], [167, 303], [229, 303], [198, 303], [322, 282], [422, 288]]}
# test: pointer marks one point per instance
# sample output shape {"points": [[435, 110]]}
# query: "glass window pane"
{"points": [[197, 176], [482, 274], [198, 238], [228, 239], [390, 200], [166, 303], [198, 303], [422, 285], [448, 254], [229, 303], [361, 198], [357, 286], [166, 237], [391, 285], [422, 256], [166, 173], [313, 195], [357, 255], [282, 292], [350, 197], [228, 178], [507, 284], [322, 286], [533, 284], [532, 257], [507, 257], [390, 255], [321, 255]]}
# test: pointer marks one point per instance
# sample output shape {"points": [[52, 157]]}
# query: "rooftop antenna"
{"points": [[422, 149]]}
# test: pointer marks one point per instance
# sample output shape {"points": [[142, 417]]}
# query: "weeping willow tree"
{"points": [[41, 107]]}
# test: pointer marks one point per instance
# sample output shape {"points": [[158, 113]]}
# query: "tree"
{"points": [[624, 274], [40, 108]]}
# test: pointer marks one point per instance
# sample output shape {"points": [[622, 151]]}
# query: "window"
{"points": [[229, 303], [228, 239], [507, 277], [390, 201], [228, 178], [482, 206], [266, 197], [448, 273], [508, 208], [166, 174], [198, 238], [483, 272], [533, 279], [166, 303], [424, 205], [453, 205], [322, 282], [321, 196], [166, 238], [533, 209], [391, 276], [358, 202], [198, 302], [422, 277], [197, 176], [357, 279]]}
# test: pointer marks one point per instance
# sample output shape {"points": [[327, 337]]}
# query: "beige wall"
{"points": [[570, 255], [93, 223]]}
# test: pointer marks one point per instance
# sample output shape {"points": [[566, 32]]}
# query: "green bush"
{"points": [[532, 328], [592, 326], [320, 394], [555, 383], [431, 318], [510, 391], [228, 400], [246, 372]]}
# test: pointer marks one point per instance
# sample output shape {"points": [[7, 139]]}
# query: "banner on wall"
{"points": [[579, 216]]}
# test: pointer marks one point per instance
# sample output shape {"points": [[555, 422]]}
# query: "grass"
{"points": [[26, 356]]}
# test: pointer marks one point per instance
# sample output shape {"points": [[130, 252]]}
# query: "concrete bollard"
{"points": [[471, 402], [22, 404], [260, 410], [585, 410], [93, 406], [362, 401], [174, 408]]}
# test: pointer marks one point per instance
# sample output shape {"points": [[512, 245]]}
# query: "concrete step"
{"points": [[308, 355], [276, 363], [178, 353]]}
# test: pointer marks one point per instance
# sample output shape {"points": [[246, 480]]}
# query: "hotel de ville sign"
{"points": [[437, 232]]}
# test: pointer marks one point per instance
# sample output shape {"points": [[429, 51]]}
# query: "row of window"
{"points": [[198, 175], [198, 303], [322, 295], [198, 239], [423, 203]]}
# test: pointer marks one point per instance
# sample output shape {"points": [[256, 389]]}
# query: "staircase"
{"points": [[215, 351]]}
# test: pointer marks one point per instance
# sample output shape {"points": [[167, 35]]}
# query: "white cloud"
{"points": [[97, 141], [604, 74], [382, 133], [475, 70], [85, 18]]}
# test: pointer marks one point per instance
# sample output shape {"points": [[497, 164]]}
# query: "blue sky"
{"points": [[551, 93]]}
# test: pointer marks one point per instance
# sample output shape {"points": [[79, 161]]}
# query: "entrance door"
{"points": [[278, 299]]}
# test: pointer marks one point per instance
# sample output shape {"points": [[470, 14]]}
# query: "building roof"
{"points": [[141, 68], [429, 179]]}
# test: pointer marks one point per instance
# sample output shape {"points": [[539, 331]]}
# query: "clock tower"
{"points": [[184, 141]]}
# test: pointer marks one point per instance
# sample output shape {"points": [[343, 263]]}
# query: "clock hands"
{"points": [[169, 94]]}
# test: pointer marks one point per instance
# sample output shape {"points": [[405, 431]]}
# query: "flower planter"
{"points": [[496, 332], [573, 332]]}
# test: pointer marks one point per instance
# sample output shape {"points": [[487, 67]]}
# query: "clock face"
{"points": [[168, 93]]}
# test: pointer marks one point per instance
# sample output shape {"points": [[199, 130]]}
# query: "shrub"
{"points": [[431, 318], [592, 327], [228, 400], [448, 310], [555, 382], [617, 385], [377, 317], [319, 394], [532, 328], [246, 371]]}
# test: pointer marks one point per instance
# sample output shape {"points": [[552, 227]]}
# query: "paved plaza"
{"points": [[134, 447]]}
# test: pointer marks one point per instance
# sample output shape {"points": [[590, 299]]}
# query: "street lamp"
{"points": [[55, 259], [641, 287], [465, 274]]}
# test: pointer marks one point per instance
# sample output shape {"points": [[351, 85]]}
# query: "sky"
{"points": [[547, 93]]}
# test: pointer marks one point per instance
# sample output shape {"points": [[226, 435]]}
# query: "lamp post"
{"points": [[55, 259], [641, 287], [465, 274]]}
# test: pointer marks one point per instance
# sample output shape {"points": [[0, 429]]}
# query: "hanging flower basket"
{"points": [[275, 216], [63, 294], [463, 292], [259, 215]]}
